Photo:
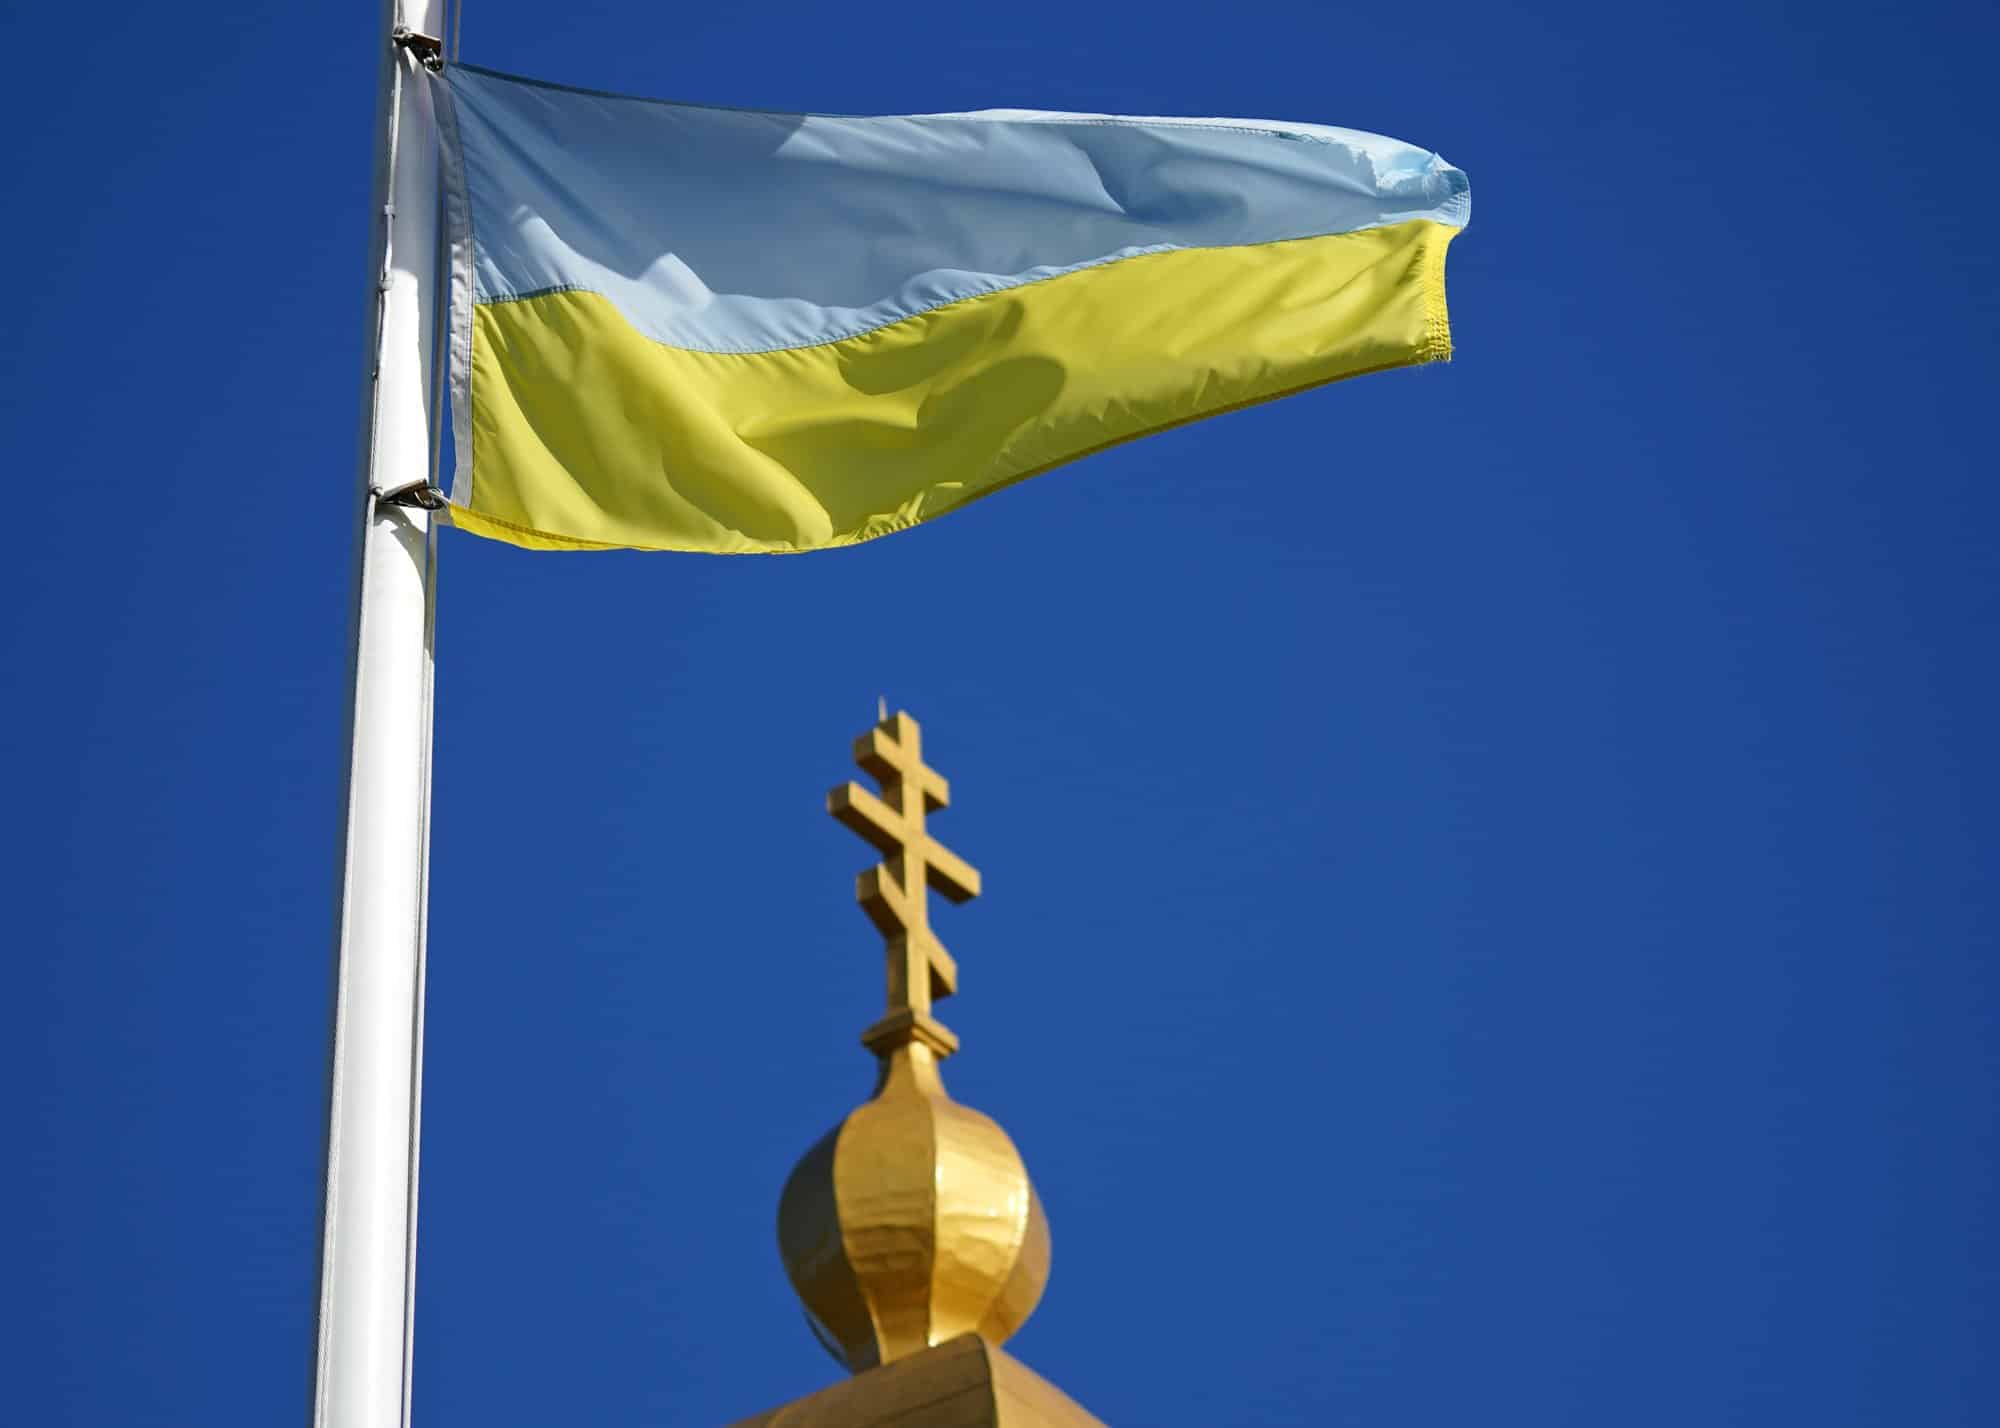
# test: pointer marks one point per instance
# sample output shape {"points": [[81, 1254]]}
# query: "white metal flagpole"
{"points": [[368, 1235]]}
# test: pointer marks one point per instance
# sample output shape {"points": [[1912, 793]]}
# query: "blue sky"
{"points": [[1489, 869]]}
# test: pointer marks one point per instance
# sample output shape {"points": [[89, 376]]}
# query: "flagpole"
{"points": [[368, 1226]]}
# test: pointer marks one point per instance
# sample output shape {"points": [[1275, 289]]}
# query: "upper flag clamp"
{"points": [[427, 50]]}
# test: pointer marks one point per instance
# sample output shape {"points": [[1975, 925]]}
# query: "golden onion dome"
{"points": [[913, 1221]]}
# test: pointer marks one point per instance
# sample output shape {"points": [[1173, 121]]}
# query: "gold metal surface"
{"points": [[962, 1383], [913, 1221], [893, 892]]}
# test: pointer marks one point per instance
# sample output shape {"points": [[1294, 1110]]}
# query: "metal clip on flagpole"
{"points": [[421, 495], [428, 50], [361, 1373]]}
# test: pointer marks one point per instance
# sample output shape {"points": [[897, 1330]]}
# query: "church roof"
{"points": [[961, 1383]]}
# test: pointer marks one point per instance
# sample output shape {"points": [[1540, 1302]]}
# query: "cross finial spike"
{"points": [[881, 709], [895, 893]]}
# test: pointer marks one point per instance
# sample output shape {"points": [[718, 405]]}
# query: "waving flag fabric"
{"points": [[687, 328]]}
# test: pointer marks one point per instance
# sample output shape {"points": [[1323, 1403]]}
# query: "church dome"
{"points": [[912, 1222]]}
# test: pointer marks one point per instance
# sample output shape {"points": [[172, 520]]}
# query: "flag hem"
{"points": [[461, 295]]}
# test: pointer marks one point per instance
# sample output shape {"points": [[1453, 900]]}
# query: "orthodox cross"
{"points": [[893, 892]]}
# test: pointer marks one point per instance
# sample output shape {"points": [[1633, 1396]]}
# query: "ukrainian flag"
{"points": [[685, 328]]}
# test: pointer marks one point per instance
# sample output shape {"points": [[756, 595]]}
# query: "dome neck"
{"points": [[910, 1070]]}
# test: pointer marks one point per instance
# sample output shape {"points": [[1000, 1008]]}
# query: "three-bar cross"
{"points": [[893, 892]]}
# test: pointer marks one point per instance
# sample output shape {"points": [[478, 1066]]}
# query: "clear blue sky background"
{"points": [[1490, 869]]}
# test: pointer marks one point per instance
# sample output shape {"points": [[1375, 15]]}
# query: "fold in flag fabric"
{"points": [[676, 327]]}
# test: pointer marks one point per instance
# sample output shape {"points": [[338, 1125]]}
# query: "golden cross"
{"points": [[893, 892]]}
